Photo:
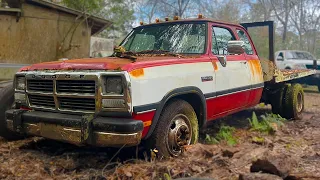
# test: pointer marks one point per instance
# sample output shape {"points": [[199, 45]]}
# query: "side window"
{"points": [[247, 45], [220, 38], [280, 56]]}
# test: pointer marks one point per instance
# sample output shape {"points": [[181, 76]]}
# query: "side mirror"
{"points": [[223, 60], [279, 58], [235, 47], [315, 64]]}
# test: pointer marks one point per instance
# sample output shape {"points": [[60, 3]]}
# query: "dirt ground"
{"points": [[296, 145]]}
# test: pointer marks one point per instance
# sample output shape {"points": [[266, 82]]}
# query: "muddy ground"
{"points": [[295, 146]]}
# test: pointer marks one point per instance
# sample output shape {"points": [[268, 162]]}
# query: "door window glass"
{"points": [[247, 45], [220, 38]]}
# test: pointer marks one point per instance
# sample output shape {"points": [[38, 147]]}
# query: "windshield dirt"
{"points": [[186, 38]]}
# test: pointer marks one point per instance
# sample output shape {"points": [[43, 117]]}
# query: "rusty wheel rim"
{"points": [[299, 102], [179, 134]]}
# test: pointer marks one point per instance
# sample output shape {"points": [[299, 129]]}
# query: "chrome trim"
{"points": [[73, 135], [96, 76], [150, 110]]}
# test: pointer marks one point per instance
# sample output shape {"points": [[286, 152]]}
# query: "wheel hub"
{"points": [[299, 102], [179, 134]]}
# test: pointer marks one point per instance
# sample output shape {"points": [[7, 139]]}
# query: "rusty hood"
{"points": [[107, 63]]}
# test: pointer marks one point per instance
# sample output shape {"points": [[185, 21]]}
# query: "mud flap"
{"points": [[86, 127], [17, 120]]}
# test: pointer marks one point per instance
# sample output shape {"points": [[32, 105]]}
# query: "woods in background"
{"points": [[297, 21]]}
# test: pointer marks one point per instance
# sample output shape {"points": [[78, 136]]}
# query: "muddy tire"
{"points": [[177, 127], [6, 102], [278, 99], [294, 102]]}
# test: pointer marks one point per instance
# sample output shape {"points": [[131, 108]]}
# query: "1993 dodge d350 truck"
{"points": [[164, 82]]}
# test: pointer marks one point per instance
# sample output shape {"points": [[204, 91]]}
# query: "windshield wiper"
{"points": [[158, 52], [153, 52], [120, 52]]}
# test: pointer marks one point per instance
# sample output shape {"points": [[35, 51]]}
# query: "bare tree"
{"points": [[282, 10], [305, 17], [147, 9], [259, 9]]}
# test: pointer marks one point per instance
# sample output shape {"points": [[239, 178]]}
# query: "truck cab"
{"points": [[163, 83]]}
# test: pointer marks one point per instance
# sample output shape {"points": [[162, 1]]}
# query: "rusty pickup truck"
{"points": [[162, 85]]}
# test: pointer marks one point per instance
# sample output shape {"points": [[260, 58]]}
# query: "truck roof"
{"points": [[191, 20]]}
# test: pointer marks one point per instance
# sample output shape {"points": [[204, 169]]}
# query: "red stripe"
{"points": [[222, 106], [147, 64], [216, 107], [148, 116], [255, 97]]}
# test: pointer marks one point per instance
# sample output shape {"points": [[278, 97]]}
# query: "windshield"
{"points": [[300, 55], [186, 38]]}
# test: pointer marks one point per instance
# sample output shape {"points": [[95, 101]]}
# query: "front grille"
{"points": [[42, 101], [62, 87], [77, 104], [76, 86], [40, 85]]}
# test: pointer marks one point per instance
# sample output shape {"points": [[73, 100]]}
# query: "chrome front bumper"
{"points": [[103, 132]]}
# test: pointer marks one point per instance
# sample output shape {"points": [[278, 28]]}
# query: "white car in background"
{"points": [[294, 59]]}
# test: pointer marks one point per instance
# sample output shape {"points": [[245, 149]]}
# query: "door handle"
{"points": [[245, 62]]}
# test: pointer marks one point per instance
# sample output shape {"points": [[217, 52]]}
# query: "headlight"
{"points": [[114, 85], [20, 98], [20, 83]]}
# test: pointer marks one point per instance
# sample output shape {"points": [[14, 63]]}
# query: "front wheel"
{"points": [[6, 102], [176, 127]]}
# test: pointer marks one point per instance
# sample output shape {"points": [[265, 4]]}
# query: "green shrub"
{"points": [[266, 124], [225, 134]]}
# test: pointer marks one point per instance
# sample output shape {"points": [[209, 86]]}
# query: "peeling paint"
{"points": [[215, 66]]}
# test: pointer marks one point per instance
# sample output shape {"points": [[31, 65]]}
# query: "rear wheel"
{"points": [[177, 127], [294, 102], [278, 99], [6, 102]]}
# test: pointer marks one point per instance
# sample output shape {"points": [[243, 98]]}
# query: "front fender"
{"points": [[170, 95]]}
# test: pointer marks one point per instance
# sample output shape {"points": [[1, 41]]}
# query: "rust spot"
{"points": [[146, 123], [255, 68], [215, 66], [251, 67], [137, 73]]}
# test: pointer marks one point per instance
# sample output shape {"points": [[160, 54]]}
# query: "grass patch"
{"points": [[268, 123], [225, 134]]}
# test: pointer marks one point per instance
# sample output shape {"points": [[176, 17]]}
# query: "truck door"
{"points": [[232, 80], [254, 69]]}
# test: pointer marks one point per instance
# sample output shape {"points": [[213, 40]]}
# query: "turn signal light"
{"points": [[176, 18], [141, 23], [157, 20], [200, 16], [167, 19]]}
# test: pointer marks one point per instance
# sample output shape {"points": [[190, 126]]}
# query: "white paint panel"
{"points": [[160, 80], [235, 74]]}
